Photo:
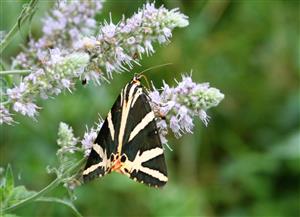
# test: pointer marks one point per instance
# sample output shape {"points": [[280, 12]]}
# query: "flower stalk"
{"points": [[55, 183], [27, 12], [15, 72], [60, 201]]}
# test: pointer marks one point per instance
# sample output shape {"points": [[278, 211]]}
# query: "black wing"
{"points": [[142, 144], [129, 129], [98, 163]]}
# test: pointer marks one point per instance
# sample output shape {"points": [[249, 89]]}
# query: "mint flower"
{"points": [[90, 136], [54, 64], [62, 28], [181, 104], [67, 158], [57, 76], [28, 108], [66, 139], [88, 140], [5, 116], [117, 46], [74, 47]]}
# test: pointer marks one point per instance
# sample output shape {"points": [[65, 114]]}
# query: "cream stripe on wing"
{"points": [[123, 94], [136, 164], [110, 126], [144, 122], [136, 96], [121, 98], [93, 168], [150, 154], [102, 155], [154, 173], [124, 116], [100, 151]]}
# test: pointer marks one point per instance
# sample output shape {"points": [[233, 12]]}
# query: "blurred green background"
{"points": [[245, 163]]}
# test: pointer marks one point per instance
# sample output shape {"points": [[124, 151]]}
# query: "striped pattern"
{"points": [[103, 163], [144, 157], [128, 141], [110, 126], [144, 122], [126, 104]]}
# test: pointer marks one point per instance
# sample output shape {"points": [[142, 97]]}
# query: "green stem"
{"points": [[64, 202], [48, 188], [45, 190], [25, 14], [13, 72], [5, 102]]}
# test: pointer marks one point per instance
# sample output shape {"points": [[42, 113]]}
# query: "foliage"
{"points": [[245, 163]]}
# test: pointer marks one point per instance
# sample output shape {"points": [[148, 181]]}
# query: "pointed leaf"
{"points": [[19, 193], [1, 195], [8, 182]]}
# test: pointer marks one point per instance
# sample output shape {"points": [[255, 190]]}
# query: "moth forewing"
{"points": [[128, 141]]}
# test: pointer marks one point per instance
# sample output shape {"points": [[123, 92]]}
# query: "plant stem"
{"points": [[57, 200], [11, 72], [45, 190], [25, 14], [48, 188]]}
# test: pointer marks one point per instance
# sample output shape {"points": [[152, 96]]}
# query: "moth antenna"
{"points": [[140, 75], [153, 67], [146, 79], [166, 144]]}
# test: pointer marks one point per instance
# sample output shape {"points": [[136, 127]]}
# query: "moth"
{"points": [[128, 141]]}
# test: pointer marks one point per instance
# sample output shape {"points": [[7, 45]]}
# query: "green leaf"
{"points": [[1, 196], [19, 193], [9, 179], [8, 184]]}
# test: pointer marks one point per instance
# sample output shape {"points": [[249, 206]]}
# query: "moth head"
{"points": [[137, 79]]}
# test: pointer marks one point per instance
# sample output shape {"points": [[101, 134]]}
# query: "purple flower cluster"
{"points": [[5, 116], [73, 47], [179, 105], [62, 28], [90, 136], [52, 60], [46, 82], [119, 45]]}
